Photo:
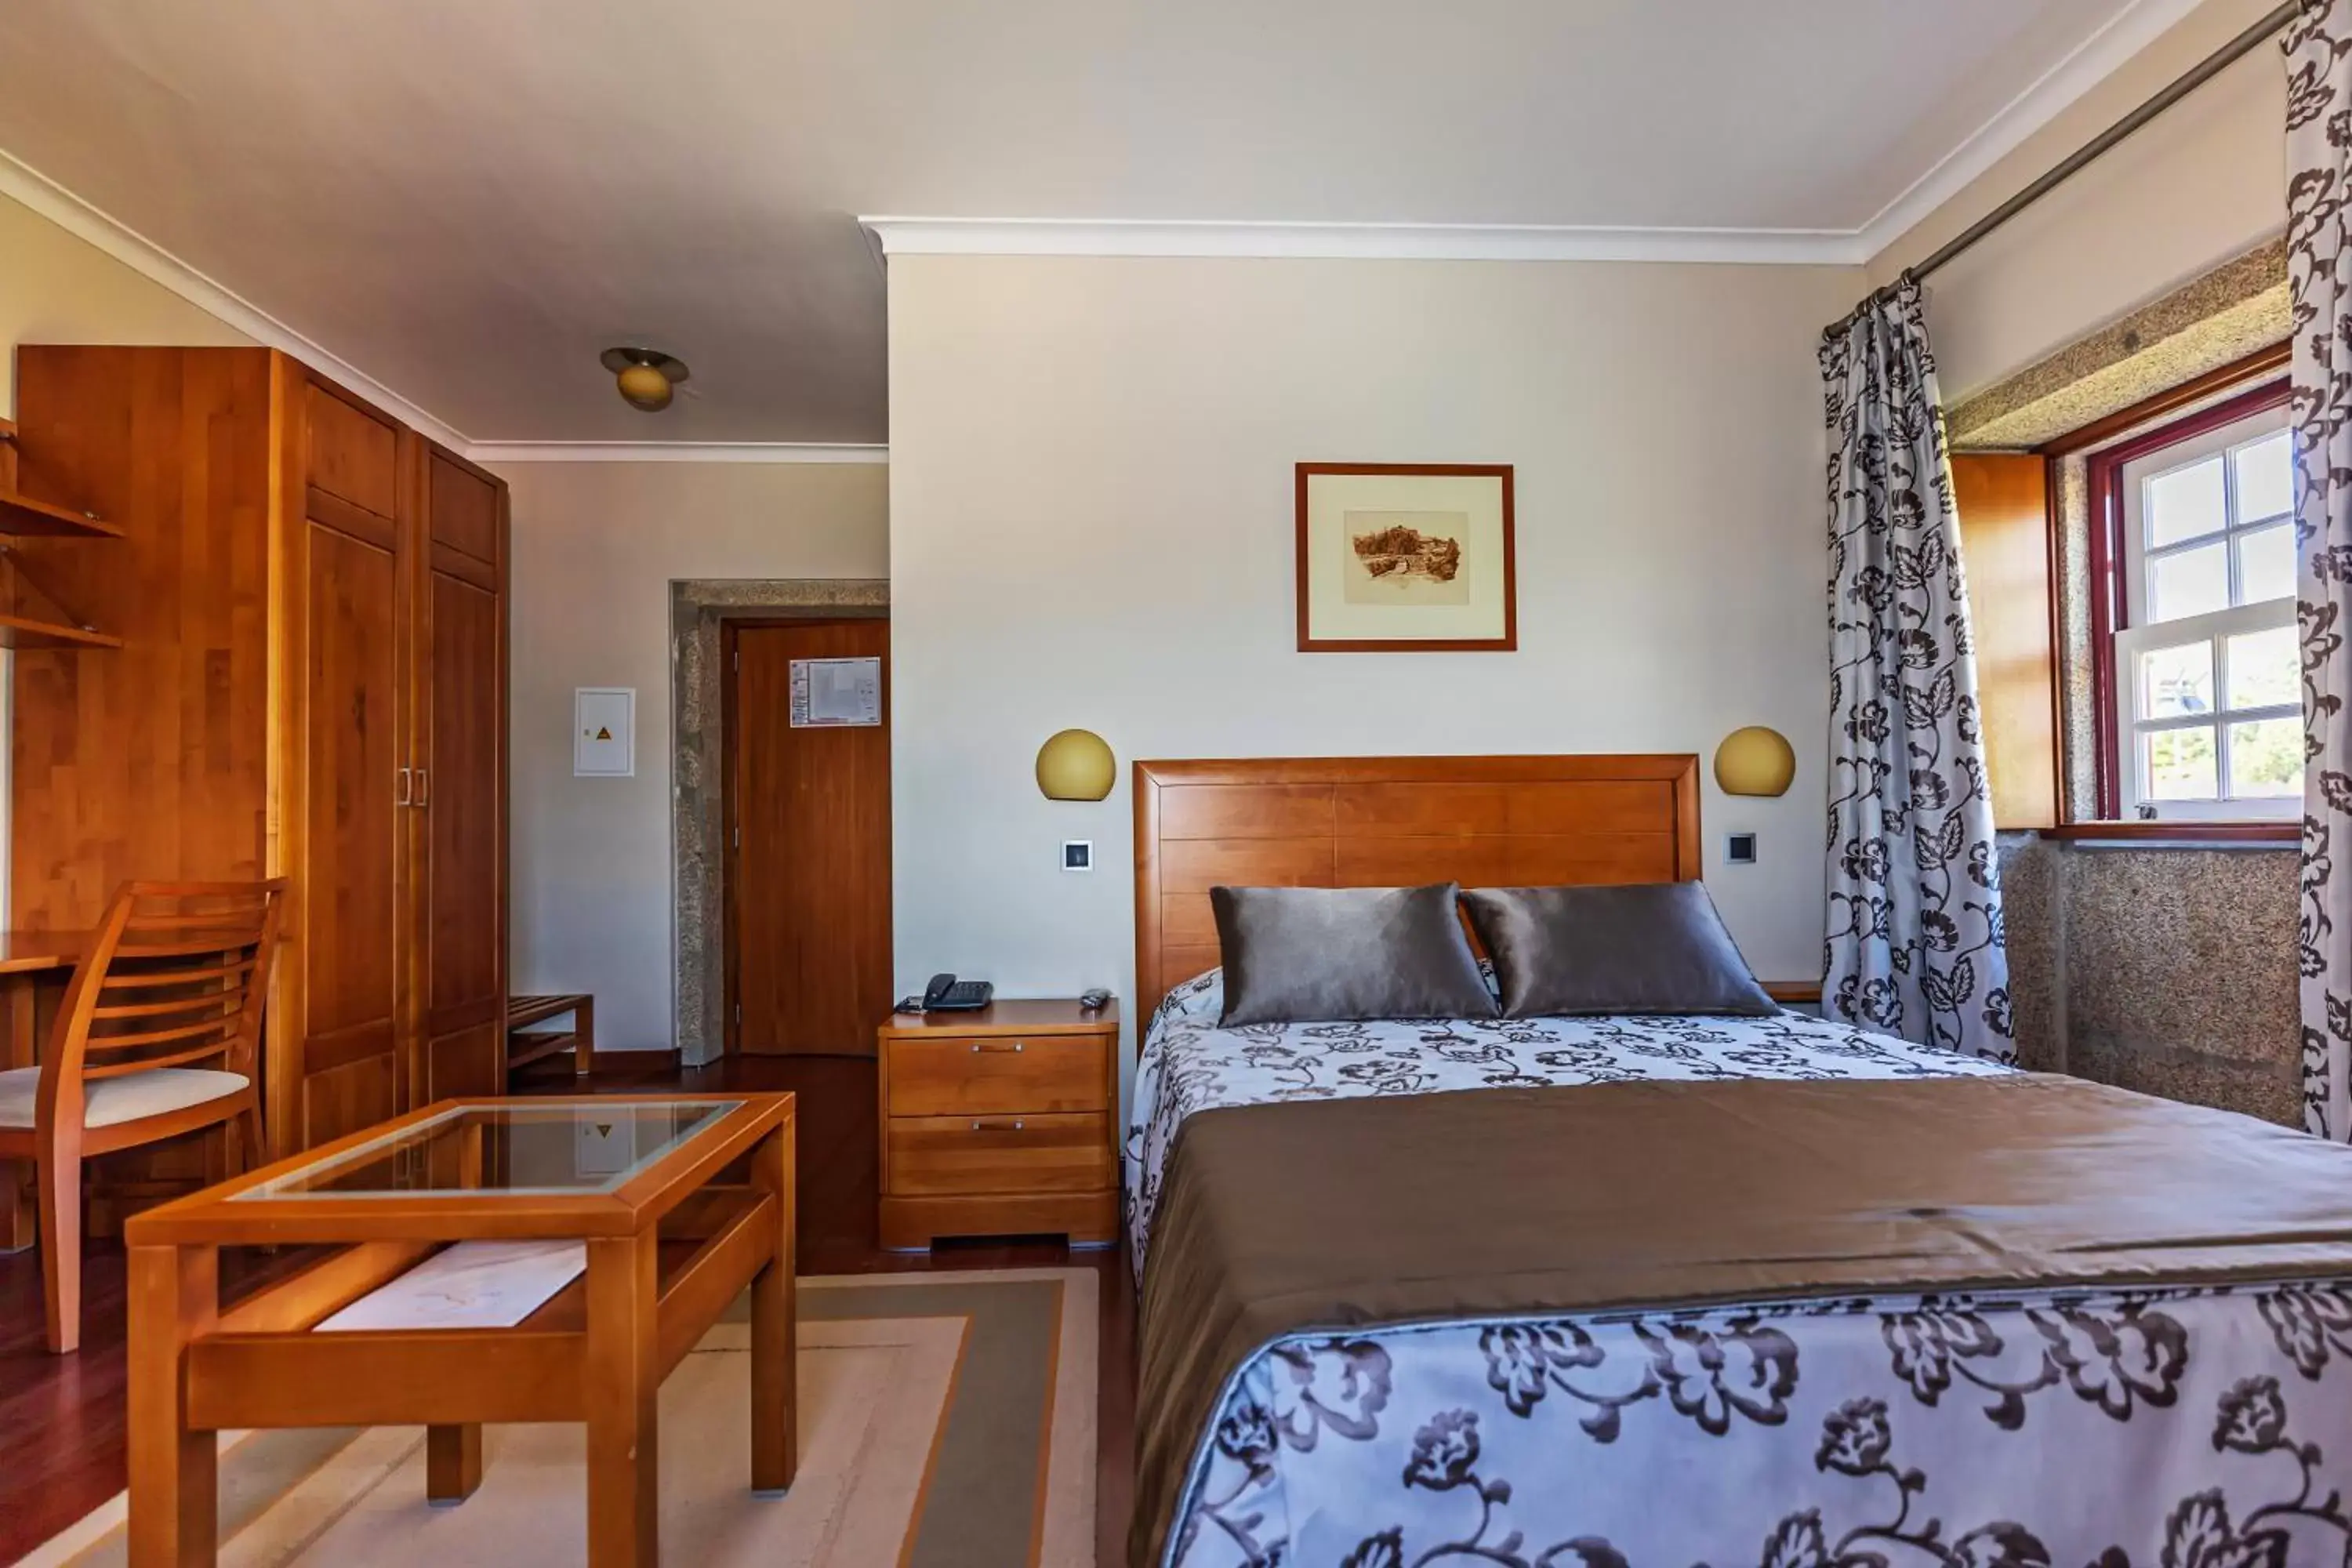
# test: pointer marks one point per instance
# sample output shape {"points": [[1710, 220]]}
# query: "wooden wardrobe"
{"points": [[312, 599]]}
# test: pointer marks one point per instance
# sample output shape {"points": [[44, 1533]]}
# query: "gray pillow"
{"points": [[1656, 947], [1313, 955]]}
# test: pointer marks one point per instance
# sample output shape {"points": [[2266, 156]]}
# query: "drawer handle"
{"points": [[980, 1045], [998, 1127]]}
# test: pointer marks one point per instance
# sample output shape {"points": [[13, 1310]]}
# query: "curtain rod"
{"points": [[2197, 76]]}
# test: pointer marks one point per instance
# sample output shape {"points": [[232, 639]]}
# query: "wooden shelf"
{"points": [[22, 516], [25, 632], [524, 1047]]}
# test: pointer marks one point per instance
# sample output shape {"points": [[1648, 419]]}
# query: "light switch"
{"points": [[1077, 853], [1739, 849]]}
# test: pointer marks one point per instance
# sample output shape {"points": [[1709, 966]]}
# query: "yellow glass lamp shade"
{"points": [[646, 388], [1075, 764], [1755, 761]]}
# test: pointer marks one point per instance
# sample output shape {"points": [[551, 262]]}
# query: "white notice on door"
{"points": [[836, 692]]}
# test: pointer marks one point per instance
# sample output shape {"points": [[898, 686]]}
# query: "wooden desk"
{"points": [[27, 961], [622, 1172]]}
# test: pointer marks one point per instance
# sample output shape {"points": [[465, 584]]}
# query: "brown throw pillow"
{"points": [[1657, 947], [1316, 955]]}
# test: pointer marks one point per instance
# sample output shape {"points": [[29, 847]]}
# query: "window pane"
{"points": [[2177, 764], [2266, 758], [2266, 565], [2265, 478], [2265, 670], [2188, 584], [2186, 502], [2174, 681]]}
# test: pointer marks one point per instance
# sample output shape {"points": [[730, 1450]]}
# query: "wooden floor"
{"points": [[61, 1416]]}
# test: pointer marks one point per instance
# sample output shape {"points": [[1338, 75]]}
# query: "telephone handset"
{"points": [[946, 994]]}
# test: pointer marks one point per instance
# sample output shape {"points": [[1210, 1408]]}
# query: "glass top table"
{"points": [[505, 1168], [547, 1147]]}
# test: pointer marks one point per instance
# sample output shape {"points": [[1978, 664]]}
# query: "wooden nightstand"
{"points": [[1000, 1123]]}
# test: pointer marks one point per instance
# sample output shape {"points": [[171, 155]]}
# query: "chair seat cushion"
{"points": [[126, 1098]]}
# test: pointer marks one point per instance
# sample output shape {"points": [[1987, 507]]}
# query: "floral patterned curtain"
{"points": [[1916, 944], [2319, 162]]}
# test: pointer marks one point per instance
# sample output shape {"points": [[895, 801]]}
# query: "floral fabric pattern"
{"points": [[1914, 945], [2319, 279], [1845, 1433]]}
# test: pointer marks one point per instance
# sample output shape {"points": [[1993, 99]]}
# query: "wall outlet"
{"points": [[1739, 849], [1077, 853]]}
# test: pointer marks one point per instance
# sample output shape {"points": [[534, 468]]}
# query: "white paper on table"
{"points": [[473, 1285]]}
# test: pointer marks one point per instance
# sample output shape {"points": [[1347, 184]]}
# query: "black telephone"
{"points": [[946, 994]]}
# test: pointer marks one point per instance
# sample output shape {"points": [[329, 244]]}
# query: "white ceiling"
{"points": [[467, 199]]}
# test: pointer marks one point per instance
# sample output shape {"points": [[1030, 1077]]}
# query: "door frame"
{"points": [[697, 606], [730, 627]]}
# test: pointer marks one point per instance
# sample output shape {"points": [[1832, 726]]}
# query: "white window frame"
{"points": [[2214, 627]]}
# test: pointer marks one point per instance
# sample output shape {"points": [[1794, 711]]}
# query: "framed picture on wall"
{"points": [[1406, 558]]}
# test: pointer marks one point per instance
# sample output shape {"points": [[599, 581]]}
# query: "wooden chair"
{"points": [[158, 1036]]}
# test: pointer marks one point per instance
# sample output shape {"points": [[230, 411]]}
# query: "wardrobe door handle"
{"points": [[406, 785], [423, 786]]}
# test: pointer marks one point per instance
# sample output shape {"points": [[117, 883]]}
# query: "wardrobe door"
{"points": [[461, 780], [347, 579]]}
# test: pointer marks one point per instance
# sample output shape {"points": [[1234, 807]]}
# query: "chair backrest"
{"points": [[176, 975]]}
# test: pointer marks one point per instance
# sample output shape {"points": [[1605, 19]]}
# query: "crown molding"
{"points": [[496, 452], [1358, 241], [28, 185], [2057, 89]]}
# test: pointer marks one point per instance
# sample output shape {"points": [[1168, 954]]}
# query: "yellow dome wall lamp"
{"points": [[1075, 764], [1755, 761]]}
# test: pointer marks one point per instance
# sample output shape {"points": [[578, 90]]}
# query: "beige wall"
{"points": [[595, 548], [55, 288], [2204, 182], [1090, 524]]}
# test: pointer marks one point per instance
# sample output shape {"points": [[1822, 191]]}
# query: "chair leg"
{"points": [[61, 1251], [254, 1153]]}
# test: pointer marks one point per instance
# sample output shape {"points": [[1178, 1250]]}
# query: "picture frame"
{"points": [[1406, 558]]}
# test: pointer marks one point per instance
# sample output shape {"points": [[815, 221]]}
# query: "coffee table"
{"points": [[634, 1177]]}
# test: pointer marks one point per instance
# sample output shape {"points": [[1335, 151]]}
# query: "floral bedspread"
{"points": [[1188, 1065], [2162, 1428]]}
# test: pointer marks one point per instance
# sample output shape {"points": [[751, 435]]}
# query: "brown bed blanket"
{"points": [[1282, 1218]]}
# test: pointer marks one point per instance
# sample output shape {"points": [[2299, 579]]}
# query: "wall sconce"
{"points": [[1075, 764], [1755, 761]]}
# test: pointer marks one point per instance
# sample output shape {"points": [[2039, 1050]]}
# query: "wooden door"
{"points": [[338, 1056], [808, 866], [2003, 503], [461, 781]]}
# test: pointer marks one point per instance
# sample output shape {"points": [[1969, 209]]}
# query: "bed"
{"points": [[1682, 1291]]}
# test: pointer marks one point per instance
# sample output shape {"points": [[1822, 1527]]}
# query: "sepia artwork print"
{"points": [[1405, 558]]}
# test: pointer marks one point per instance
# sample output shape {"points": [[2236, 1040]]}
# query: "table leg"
{"points": [[775, 1403], [18, 1225], [623, 1388], [584, 1038], [174, 1296], [453, 1463]]}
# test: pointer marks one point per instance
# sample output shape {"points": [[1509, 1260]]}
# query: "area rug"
{"points": [[947, 1421]]}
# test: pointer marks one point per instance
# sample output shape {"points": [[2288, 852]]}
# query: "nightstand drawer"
{"points": [[940, 1156], [996, 1075]]}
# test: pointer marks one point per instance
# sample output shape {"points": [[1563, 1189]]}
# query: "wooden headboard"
{"points": [[1378, 822]]}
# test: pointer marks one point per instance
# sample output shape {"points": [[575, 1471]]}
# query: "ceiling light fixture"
{"points": [[645, 375]]}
